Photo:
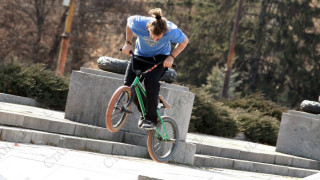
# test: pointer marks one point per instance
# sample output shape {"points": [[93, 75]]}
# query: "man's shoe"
{"points": [[148, 125], [141, 121]]}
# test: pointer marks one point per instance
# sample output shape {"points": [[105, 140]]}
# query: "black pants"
{"points": [[151, 83]]}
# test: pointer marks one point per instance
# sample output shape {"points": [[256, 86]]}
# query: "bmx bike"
{"points": [[163, 140]]}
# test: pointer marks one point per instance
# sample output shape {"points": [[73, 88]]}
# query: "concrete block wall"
{"points": [[90, 92], [299, 135]]}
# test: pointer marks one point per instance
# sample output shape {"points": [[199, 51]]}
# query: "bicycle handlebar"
{"points": [[139, 59]]}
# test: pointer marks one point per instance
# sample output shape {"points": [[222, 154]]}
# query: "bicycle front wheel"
{"points": [[162, 150], [117, 111]]}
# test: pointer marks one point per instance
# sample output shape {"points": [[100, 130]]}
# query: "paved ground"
{"points": [[32, 162], [191, 137]]}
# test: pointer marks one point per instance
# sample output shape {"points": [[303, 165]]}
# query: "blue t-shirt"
{"points": [[145, 46]]}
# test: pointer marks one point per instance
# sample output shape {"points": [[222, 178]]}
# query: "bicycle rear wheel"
{"points": [[117, 111], [159, 149]]}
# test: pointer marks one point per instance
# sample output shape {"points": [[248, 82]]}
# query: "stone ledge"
{"points": [[184, 153], [219, 162], [60, 127], [19, 135], [275, 159], [304, 114], [8, 98], [121, 77], [299, 135]]}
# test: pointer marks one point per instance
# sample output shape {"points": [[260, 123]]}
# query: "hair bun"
{"points": [[158, 17]]}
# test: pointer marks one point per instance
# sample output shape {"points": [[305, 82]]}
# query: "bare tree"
{"points": [[30, 30]]}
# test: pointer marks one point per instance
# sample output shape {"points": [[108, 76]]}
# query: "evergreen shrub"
{"points": [[258, 118], [209, 117], [35, 82], [260, 128], [257, 102]]}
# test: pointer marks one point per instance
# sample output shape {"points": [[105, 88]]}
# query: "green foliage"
{"points": [[210, 117], [280, 51], [260, 128], [35, 82], [9, 75], [209, 36], [256, 117], [276, 51], [215, 82], [257, 102]]}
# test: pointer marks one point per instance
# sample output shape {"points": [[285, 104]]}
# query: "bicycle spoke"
{"points": [[156, 144], [119, 109], [158, 149], [165, 139]]}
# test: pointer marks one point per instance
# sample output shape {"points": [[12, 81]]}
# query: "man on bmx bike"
{"points": [[154, 37]]}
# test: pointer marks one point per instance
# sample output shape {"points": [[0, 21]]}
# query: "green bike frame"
{"points": [[138, 88]]}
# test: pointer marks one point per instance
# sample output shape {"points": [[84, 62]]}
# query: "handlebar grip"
{"points": [[174, 66], [129, 51]]}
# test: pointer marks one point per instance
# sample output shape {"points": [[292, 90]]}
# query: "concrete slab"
{"points": [[121, 77], [35, 162], [31, 111], [219, 162], [244, 166], [53, 124], [45, 139], [99, 146], [95, 132], [136, 139], [19, 100], [204, 143], [299, 135], [249, 151], [19, 135], [11, 119], [313, 177], [90, 108]]}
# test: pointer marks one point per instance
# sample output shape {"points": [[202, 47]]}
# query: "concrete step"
{"points": [[47, 121], [68, 127], [20, 135], [236, 164], [247, 155], [57, 125], [248, 151]]}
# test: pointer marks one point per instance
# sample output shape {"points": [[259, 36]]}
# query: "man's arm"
{"points": [[128, 44], [174, 53], [180, 47]]}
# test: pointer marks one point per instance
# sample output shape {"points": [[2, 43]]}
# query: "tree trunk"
{"points": [[51, 61], [255, 60]]}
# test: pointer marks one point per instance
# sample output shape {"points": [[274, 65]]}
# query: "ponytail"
{"points": [[158, 25]]}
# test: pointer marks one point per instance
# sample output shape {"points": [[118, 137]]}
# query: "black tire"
{"points": [[310, 106], [159, 150], [115, 116]]}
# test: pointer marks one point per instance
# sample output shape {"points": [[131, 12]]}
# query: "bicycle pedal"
{"points": [[148, 129]]}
